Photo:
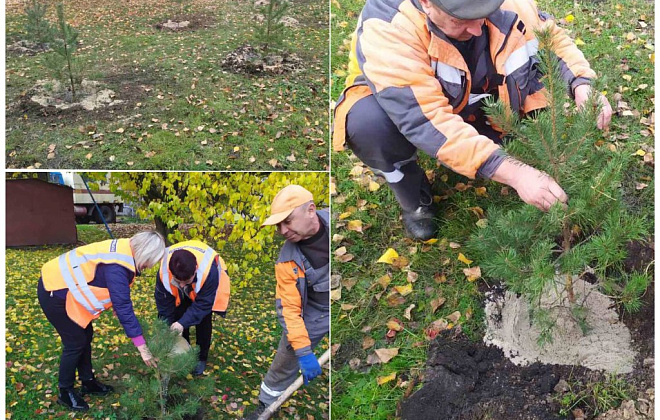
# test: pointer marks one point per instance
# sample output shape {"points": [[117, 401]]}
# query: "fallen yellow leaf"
{"points": [[385, 379], [385, 355], [472, 273], [388, 257], [394, 324], [404, 290], [462, 258]]}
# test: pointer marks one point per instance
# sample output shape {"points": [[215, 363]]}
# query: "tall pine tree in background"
{"points": [[528, 248], [170, 392]]}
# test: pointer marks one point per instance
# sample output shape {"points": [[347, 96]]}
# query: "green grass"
{"points": [[595, 398], [216, 120], [243, 346], [356, 393]]}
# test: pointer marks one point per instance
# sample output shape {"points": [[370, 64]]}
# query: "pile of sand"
{"points": [[606, 346]]}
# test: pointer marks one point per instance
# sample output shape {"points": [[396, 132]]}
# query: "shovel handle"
{"points": [[271, 409]]}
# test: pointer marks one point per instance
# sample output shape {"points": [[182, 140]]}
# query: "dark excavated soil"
{"points": [[467, 380]]}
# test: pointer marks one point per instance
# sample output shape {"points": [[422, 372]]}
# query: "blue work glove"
{"points": [[309, 367]]}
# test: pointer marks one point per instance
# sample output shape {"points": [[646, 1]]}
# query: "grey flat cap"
{"points": [[468, 9]]}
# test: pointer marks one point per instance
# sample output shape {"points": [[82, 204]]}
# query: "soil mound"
{"points": [[90, 96], [467, 380], [605, 345], [247, 59], [24, 47]]}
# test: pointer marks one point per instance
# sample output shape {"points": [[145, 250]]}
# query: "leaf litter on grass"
{"points": [[242, 349], [618, 41], [273, 119]]}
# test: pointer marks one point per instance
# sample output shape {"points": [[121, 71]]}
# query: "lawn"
{"points": [[392, 305], [243, 346], [181, 109]]}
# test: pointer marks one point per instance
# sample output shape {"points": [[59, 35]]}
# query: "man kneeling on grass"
{"points": [[419, 72]]}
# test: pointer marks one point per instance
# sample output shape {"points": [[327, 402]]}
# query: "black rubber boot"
{"points": [[420, 223], [254, 415], [70, 398], [199, 369], [413, 193], [94, 387]]}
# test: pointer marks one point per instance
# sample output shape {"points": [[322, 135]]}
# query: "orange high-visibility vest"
{"points": [[205, 255], [76, 268]]}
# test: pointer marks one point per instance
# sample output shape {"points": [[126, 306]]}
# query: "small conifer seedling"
{"points": [[534, 252]]}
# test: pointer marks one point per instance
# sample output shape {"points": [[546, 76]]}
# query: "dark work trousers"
{"points": [[377, 142], [76, 341], [203, 330], [283, 371]]}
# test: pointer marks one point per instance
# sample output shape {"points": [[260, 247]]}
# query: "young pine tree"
{"points": [[528, 248], [62, 62], [169, 392], [38, 28], [270, 31]]}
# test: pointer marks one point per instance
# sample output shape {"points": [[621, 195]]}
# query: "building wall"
{"points": [[39, 213]]}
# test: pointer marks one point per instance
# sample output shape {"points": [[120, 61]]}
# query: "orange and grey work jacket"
{"points": [[302, 296], [205, 256], [76, 268], [422, 82]]}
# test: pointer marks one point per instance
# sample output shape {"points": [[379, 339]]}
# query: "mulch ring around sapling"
{"points": [[24, 47], [186, 22], [54, 95], [110, 99], [247, 59]]}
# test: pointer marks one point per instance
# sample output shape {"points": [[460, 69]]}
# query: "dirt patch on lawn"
{"points": [[247, 59], [186, 22], [128, 89], [467, 380], [23, 47]]}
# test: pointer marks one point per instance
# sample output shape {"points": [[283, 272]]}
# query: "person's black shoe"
{"points": [[254, 415], [419, 223], [95, 387], [199, 369], [70, 398]]}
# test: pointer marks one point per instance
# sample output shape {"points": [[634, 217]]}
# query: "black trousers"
{"points": [[203, 330], [377, 142], [76, 341]]}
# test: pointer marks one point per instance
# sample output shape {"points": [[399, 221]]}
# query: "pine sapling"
{"points": [[270, 32], [65, 43], [169, 392], [528, 248], [38, 28]]}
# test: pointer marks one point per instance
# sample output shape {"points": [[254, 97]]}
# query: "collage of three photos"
{"points": [[371, 209]]}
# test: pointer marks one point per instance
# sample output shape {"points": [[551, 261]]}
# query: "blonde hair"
{"points": [[148, 248]]}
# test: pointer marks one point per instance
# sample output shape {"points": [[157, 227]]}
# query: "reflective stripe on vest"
{"points": [[206, 262], [78, 283], [521, 56], [446, 72], [202, 267], [73, 270]]}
